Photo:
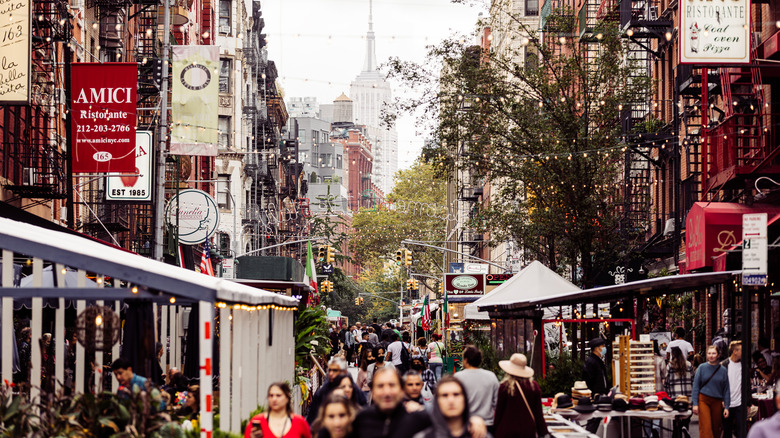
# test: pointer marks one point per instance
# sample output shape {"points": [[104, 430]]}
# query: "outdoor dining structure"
{"points": [[237, 337]]}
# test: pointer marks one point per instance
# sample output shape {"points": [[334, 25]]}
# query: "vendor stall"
{"points": [[254, 327]]}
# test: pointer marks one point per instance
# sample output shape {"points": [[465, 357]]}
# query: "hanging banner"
{"points": [[195, 214], [103, 103], [135, 186], [195, 104], [15, 52], [715, 32]]}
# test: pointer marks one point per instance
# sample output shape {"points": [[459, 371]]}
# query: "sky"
{"points": [[319, 46]]}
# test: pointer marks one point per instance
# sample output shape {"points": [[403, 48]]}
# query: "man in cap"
{"points": [[769, 427], [594, 373]]}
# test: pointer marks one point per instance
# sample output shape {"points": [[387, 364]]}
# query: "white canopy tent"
{"points": [[255, 327], [532, 282]]}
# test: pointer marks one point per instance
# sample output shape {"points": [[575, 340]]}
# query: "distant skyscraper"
{"points": [[371, 93]]}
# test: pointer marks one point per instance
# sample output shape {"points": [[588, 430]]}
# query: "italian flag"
{"points": [[426, 315], [311, 271], [446, 311]]}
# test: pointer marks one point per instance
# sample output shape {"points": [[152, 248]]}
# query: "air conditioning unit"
{"points": [[669, 227], [29, 176], [224, 28], [653, 13]]}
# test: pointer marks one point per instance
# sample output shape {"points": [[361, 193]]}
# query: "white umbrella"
{"points": [[71, 279]]}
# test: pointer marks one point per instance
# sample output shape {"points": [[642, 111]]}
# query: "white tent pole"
{"points": [[164, 337], [224, 368], [174, 336], [115, 347], [59, 331], [99, 358], [81, 365], [236, 411], [37, 330], [206, 318], [7, 276]]}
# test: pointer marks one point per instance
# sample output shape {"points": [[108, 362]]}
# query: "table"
{"points": [[766, 407], [624, 430]]}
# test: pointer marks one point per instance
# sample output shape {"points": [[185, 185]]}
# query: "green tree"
{"points": [[345, 291], [546, 134], [381, 283]]}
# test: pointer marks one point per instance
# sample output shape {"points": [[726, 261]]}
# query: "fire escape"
{"points": [[32, 161], [647, 127], [738, 140]]}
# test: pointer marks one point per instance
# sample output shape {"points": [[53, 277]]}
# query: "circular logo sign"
{"points": [[198, 78], [464, 282], [196, 214]]}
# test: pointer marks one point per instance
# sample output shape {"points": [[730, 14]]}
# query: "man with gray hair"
{"points": [[413, 387], [337, 366], [769, 427]]}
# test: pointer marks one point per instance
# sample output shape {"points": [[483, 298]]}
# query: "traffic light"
{"points": [[357, 301], [321, 254], [441, 289], [410, 284], [326, 286], [416, 283], [408, 257], [399, 257], [361, 300], [330, 254]]}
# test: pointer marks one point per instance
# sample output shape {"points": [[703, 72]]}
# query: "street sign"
{"points": [[327, 269], [227, 268], [754, 249]]}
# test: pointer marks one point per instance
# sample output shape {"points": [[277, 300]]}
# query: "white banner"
{"points": [[195, 105], [134, 188], [15, 52], [715, 31]]}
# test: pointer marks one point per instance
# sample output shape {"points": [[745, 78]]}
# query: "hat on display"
{"points": [[681, 403], [661, 395], [517, 365], [585, 405], [665, 405], [562, 401], [636, 403], [596, 342], [604, 403], [651, 403], [620, 404], [580, 385]]}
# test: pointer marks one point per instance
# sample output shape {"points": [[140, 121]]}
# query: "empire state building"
{"points": [[371, 93]]}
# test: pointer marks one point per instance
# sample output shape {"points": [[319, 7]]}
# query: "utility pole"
{"points": [[159, 220]]}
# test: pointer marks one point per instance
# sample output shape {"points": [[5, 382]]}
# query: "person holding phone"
{"points": [[279, 421]]}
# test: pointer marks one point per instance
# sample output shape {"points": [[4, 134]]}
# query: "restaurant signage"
{"points": [[15, 52], [464, 284], [496, 279], [103, 104], [715, 31], [137, 185], [195, 214]]}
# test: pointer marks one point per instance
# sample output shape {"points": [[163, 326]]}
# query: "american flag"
{"points": [[205, 261], [426, 315]]}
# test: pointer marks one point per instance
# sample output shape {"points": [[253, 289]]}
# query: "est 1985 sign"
{"points": [[134, 186]]}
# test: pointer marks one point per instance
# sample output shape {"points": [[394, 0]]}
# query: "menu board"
{"points": [[14, 51]]}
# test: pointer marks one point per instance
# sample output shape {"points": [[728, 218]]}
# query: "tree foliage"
{"points": [[541, 123]]}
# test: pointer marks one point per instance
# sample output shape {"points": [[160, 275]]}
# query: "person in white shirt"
{"points": [[679, 341], [394, 352], [736, 408]]}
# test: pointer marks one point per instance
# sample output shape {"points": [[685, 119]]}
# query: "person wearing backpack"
{"points": [[398, 354]]}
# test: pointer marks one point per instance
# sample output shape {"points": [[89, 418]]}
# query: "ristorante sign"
{"points": [[715, 32], [15, 51], [103, 103]]}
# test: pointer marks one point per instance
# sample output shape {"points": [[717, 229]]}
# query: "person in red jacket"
{"points": [[519, 406], [279, 421]]}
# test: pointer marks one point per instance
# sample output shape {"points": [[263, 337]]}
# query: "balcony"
{"points": [[642, 19], [470, 194], [737, 147]]}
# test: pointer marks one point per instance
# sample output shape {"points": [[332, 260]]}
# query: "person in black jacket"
{"points": [[594, 373]]}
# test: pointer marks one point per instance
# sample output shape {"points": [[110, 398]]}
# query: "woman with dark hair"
{"points": [[379, 354], [679, 375], [346, 387], [366, 359], [450, 416], [191, 408], [335, 417], [519, 405], [279, 421]]}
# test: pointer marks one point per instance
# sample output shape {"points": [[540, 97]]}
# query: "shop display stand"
{"points": [[633, 366]]}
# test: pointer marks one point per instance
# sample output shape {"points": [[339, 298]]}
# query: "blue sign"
{"points": [[754, 280], [327, 269], [457, 268]]}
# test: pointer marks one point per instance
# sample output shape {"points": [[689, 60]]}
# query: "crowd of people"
{"points": [[714, 386]]}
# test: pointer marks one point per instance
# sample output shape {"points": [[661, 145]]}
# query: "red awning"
{"points": [[712, 228]]}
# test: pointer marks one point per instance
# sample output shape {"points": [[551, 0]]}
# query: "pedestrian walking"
{"points": [[710, 394], [679, 341], [346, 387], [421, 349], [436, 355], [367, 358], [427, 375], [679, 375], [388, 418], [481, 385], [337, 366], [372, 336], [379, 363], [450, 412], [335, 418], [519, 405], [413, 389], [770, 427], [736, 408], [398, 353], [594, 373], [279, 421]]}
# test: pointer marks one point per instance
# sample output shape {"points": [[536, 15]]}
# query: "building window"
{"points": [[224, 75], [339, 161], [326, 160], [224, 16], [531, 8], [223, 240], [224, 132], [302, 135]]}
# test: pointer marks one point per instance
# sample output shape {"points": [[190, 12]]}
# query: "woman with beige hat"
{"points": [[519, 407]]}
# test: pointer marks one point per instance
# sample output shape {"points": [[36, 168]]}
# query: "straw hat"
{"points": [[517, 365]]}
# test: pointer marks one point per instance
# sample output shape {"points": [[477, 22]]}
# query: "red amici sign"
{"points": [[103, 107]]}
